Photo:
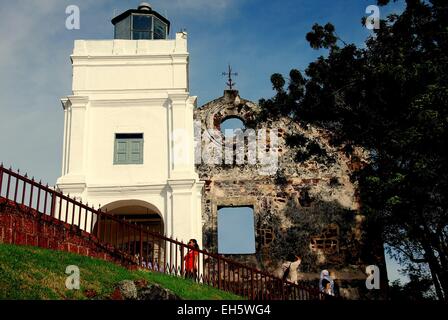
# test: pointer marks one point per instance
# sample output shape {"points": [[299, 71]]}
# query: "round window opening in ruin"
{"points": [[231, 126]]}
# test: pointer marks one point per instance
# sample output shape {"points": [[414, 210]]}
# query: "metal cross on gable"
{"points": [[230, 82]]}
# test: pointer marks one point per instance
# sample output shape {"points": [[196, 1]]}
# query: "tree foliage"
{"points": [[390, 97]]}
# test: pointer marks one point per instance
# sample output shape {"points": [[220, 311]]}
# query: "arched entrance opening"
{"points": [[137, 212], [127, 239]]}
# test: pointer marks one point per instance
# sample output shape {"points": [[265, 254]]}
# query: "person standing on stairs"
{"points": [[192, 260], [291, 269]]}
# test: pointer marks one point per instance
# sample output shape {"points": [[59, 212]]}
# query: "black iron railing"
{"points": [[149, 249]]}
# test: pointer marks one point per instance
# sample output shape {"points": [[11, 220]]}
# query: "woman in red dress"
{"points": [[192, 260]]}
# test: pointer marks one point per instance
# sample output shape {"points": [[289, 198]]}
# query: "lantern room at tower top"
{"points": [[141, 24]]}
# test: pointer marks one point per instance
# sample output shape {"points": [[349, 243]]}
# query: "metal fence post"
{"points": [[98, 225], [53, 203], [219, 273], [1, 178], [182, 270], [252, 284], [31, 191], [141, 247], [283, 290]]}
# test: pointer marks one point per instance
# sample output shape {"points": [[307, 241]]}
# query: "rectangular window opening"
{"points": [[236, 230]]}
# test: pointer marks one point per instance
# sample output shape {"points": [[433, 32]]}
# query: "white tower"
{"points": [[128, 130]]}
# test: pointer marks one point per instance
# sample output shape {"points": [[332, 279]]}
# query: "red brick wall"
{"points": [[23, 226]]}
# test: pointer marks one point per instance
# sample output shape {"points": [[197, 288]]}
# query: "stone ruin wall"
{"points": [[309, 208]]}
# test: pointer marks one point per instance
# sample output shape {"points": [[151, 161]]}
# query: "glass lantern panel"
{"points": [[142, 23], [141, 35], [123, 29], [159, 29]]}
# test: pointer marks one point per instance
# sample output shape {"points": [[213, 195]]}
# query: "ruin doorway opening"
{"points": [[236, 230]]}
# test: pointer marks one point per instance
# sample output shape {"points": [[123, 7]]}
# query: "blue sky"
{"points": [[256, 37]]}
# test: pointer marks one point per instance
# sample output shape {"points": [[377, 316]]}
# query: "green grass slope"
{"points": [[35, 273]]}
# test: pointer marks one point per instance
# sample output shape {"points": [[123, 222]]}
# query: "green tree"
{"points": [[389, 97]]}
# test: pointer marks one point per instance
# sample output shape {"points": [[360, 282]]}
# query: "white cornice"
{"points": [[77, 101], [131, 56], [181, 184], [71, 187], [64, 103], [130, 60], [128, 102], [179, 98], [116, 189], [160, 92], [193, 100], [200, 185]]}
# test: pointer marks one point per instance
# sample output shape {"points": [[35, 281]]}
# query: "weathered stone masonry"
{"points": [[309, 207]]}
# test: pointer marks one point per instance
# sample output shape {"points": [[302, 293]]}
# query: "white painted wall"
{"points": [[133, 86]]}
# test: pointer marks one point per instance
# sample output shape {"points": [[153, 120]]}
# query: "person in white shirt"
{"points": [[326, 283], [291, 269]]}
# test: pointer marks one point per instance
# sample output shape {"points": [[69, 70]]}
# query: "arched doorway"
{"points": [[142, 214], [139, 212]]}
